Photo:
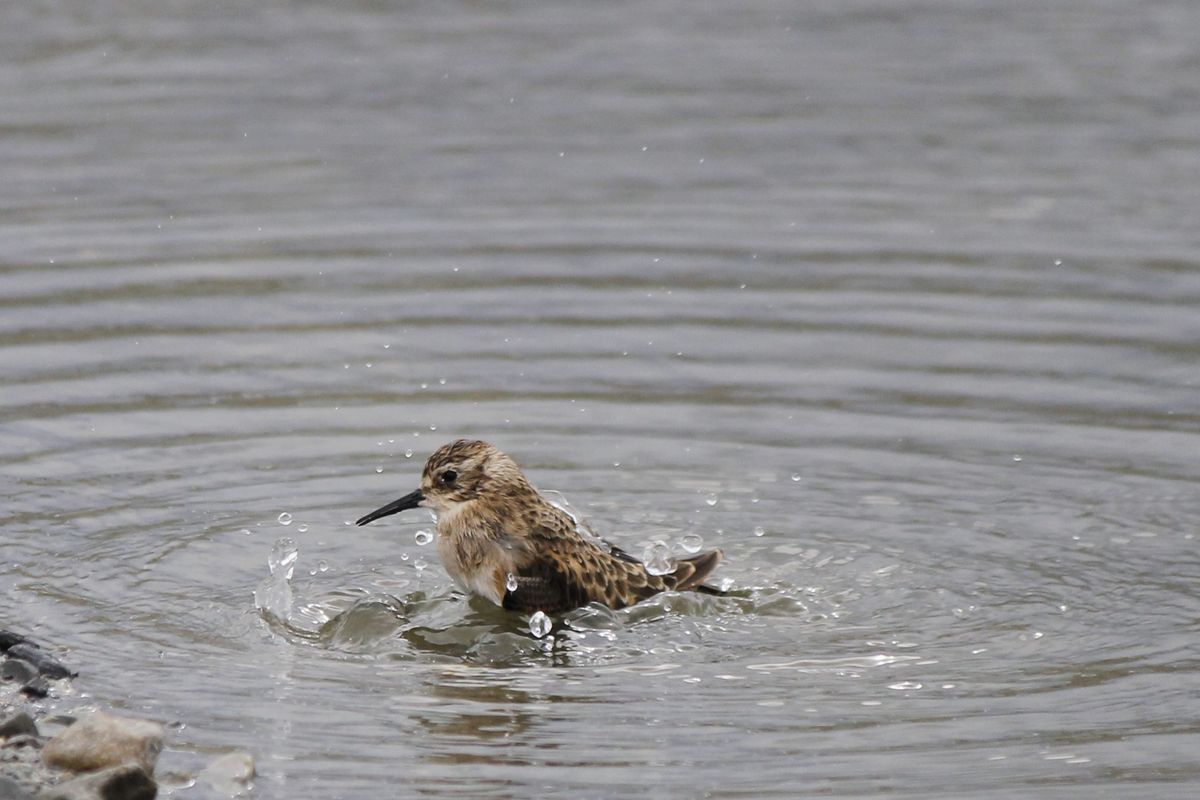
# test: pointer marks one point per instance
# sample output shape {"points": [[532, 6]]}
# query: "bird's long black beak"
{"points": [[411, 500]]}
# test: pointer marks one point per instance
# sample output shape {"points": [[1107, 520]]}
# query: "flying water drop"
{"points": [[273, 597], [692, 542], [302, 527], [711, 499], [422, 537], [760, 531], [282, 560], [540, 624], [285, 518], [510, 583], [657, 558]]}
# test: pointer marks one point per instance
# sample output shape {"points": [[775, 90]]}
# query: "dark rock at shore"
{"points": [[36, 688], [45, 664], [8, 639], [18, 671], [126, 782], [19, 724]]}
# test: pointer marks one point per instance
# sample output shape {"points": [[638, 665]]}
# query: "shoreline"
{"points": [[87, 753]]}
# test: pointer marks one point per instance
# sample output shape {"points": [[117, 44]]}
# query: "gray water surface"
{"points": [[911, 289]]}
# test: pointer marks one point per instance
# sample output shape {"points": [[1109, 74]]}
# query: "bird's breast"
{"points": [[477, 561]]}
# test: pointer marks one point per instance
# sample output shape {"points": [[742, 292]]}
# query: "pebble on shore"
{"points": [[98, 757]]}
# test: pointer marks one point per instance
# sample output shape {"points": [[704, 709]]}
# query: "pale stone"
{"points": [[98, 740], [231, 773]]}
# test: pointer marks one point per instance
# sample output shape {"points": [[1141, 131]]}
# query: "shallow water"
{"points": [[912, 289]]}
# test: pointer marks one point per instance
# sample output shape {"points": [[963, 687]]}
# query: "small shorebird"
{"points": [[499, 538]]}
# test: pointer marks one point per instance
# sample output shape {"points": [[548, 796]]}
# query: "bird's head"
{"points": [[458, 473]]}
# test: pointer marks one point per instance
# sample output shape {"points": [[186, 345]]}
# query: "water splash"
{"points": [[273, 597], [540, 624], [657, 558]]}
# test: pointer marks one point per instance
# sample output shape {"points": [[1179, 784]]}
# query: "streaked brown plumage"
{"points": [[492, 524]]}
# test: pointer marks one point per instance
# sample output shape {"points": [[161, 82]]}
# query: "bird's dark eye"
{"points": [[449, 476]]}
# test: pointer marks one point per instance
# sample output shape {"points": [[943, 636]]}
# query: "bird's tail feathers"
{"points": [[690, 572]]}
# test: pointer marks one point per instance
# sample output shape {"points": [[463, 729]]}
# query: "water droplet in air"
{"points": [[433, 427], [285, 518], [423, 537], [404, 556], [726, 584], [408, 453], [760, 531], [795, 476], [510, 583], [711, 499], [692, 542], [323, 565], [904, 686], [657, 558], [1016, 458], [302, 527], [245, 531], [540, 624], [282, 560], [378, 470], [420, 564]]}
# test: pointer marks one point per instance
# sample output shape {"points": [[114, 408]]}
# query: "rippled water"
{"points": [[897, 303]]}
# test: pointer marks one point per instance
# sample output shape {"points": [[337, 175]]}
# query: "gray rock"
{"points": [[18, 670], [230, 774], [45, 663], [11, 790], [98, 740], [17, 725], [126, 782], [8, 639], [36, 688], [24, 740]]}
